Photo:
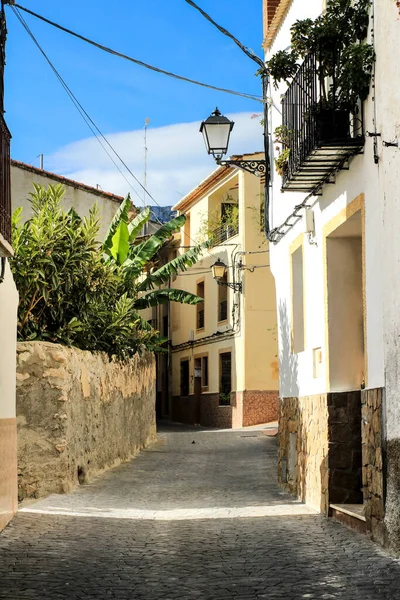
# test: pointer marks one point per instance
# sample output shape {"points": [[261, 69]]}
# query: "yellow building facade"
{"points": [[223, 364]]}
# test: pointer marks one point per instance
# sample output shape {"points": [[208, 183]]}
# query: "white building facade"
{"points": [[335, 263]]}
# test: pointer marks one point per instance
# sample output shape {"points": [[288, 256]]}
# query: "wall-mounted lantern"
{"points": [[219, 269]]}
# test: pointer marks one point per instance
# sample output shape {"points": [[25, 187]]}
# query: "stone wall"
{"points": [[372, 464], [303, 449], [78, 414]]}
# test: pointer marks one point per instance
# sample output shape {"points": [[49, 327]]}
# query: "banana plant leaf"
{"points": [[164, 296], [120, 216], [120, 244], [178, 264], [138, 259], [136, 225]]}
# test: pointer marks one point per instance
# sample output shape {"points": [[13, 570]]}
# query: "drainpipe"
{"points": [[2, 269]]}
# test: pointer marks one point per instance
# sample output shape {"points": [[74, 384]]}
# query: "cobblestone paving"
{"points": [[287, 554]]}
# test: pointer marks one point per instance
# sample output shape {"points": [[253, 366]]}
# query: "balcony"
{"points": [[321, 134], [224, 232]]}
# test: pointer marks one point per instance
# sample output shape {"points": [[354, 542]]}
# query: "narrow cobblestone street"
{"points": [[189, 520]]}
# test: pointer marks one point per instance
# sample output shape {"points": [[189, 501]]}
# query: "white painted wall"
{"points": [[8, 337], [296, 370], [388, 226], [82, 200]]}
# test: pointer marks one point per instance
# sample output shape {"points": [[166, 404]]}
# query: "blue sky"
{"points": [[119, 96]]}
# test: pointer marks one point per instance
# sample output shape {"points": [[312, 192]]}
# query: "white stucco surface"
{"points": [[361, 180], [8, 337], [388, 204]]}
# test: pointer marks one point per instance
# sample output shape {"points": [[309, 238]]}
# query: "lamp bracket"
{"points": [[236, 286], [255, 167]]}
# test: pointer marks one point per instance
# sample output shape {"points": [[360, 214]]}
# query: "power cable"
{"points": [[88, 120], [92, 125], [134, 60], [244, 49]]}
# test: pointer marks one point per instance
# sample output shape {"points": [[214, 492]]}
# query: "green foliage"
{"points": [[74, 290], [211, 223], [282, 160], [283, 66], [336, 37], [283, 135]]}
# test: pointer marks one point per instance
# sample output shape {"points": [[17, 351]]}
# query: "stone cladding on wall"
{"points": [[78, 414], [8, 470], [344, 436], [303, 449], [251, 407], [331, 451], [259, 406], [372, 464]]}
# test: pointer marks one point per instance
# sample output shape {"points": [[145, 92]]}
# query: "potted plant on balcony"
{"points": [[334, 46], [283, 136]]}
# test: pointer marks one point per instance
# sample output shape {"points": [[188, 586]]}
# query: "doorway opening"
{"points": [[346, 359]]}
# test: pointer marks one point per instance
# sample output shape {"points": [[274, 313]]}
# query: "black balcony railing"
{"points": [[5, 184], [319, 132], [5, 137]]}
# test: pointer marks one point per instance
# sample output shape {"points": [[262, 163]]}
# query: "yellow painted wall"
{"points": [[254, 345]]}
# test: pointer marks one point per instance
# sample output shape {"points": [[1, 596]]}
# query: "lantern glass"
{"points": [[216, 131], [218, 270]]}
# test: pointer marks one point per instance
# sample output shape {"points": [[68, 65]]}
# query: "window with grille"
{"points": [[223, 300], [225, 368], [200, 307], [185, 377]]}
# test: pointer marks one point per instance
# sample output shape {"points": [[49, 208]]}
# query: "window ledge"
{"points": [[5, 248]]}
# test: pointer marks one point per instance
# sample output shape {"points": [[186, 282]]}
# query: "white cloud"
{"points": [[177, 160]]}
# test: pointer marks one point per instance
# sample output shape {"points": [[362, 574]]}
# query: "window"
{"points": [[223, 300], [185, 377], [298, 300], [204, 371], [200, 307], [225, 378]]}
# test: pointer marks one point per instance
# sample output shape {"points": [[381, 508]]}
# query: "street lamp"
{"points": [[216, 132], [218, 272]]}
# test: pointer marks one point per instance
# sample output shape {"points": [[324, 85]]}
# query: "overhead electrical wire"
{"points": [[88, 120], [135, 60], [227, 33]]}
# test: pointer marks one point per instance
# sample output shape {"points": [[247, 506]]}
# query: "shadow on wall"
{"points": [[288, 362]]}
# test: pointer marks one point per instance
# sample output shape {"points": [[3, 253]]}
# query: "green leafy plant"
{"points": [[344, 60], [215, 223], [76, 291], [282, 160]]}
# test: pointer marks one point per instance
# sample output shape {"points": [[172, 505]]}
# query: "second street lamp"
{"points": [[218, 272]]}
